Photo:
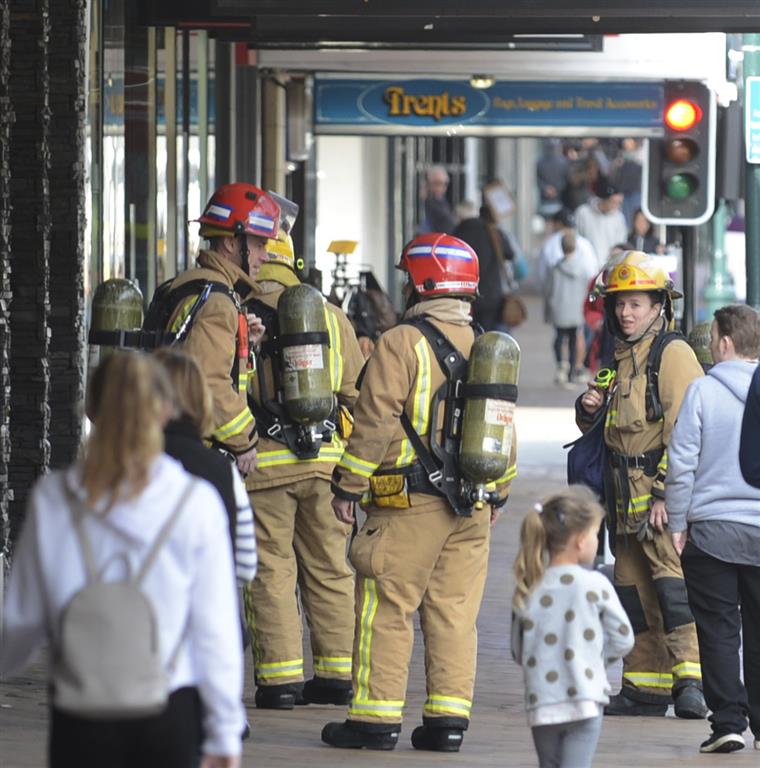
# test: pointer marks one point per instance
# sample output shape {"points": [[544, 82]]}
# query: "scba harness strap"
{"points": [[271, 416], [439, 460]]}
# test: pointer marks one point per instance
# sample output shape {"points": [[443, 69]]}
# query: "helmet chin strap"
{"points": [[631, 341], [244, 264]]}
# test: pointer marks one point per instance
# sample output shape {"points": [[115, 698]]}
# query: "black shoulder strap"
{"points": [[439, 460], [654, 360]]}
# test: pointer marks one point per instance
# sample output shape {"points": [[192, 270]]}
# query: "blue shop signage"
{"points": [[438, 106]]}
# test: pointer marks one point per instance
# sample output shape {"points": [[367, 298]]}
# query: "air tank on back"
{"points": [[306, 383], [490, 395], [116, 306]]}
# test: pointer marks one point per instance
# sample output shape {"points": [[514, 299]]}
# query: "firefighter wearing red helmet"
{"points": [[417, 550], [237, 221]]}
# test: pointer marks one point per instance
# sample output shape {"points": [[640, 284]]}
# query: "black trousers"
{"points": [[169, 740], [571, 334], [725, 600]]}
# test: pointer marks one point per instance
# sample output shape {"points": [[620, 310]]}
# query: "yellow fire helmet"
{"points": [[282, 264], [638, 271]]}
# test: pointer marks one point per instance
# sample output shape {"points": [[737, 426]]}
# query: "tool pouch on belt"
{"points": [[389, 491]]}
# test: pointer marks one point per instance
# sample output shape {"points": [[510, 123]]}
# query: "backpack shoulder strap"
{"points": [[78, 513], [163, 534]]}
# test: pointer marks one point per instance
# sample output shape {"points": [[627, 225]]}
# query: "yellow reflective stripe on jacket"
{"points": [[336, 664], [420, 403], [509, 475], [447, 705], [650, 679], [662, 467], [688, 669], [610, 419], [234, 426], [336, 351], [330, 453], [356, 465], [279, 669], [637, 504], [185, 307]]}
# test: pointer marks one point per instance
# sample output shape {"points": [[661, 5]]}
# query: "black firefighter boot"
{"points": [[326, 690], [354, 734], [632, 702], [689, 700], [440, 734], [283, 696]]}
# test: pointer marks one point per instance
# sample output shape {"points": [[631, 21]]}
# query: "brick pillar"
{"points": [[6, 120], [30, 218], [66, 64]]}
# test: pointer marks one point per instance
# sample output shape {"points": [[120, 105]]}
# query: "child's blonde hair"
{"points": [[546, 530]]}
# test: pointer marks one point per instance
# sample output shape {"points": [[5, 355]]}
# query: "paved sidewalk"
{"points": [[498, 735]]}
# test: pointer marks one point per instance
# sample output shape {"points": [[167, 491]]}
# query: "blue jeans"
{"points": [[567, 745]]}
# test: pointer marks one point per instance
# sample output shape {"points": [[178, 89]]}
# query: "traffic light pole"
{"points": [[751, 48]]}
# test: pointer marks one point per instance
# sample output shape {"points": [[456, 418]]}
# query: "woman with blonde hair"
{"points": [[128, 513]]}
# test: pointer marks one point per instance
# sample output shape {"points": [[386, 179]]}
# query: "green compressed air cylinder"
{"points": [[116, 306], [699, 341], [306, 383], [487, 424]]}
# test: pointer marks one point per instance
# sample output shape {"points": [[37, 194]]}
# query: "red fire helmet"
{"points": [[441, 265], [237, 209]]}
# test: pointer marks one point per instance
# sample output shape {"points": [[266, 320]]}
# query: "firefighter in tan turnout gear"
{"points": [[654, 367], [423, 547], [237, 221], [301, 546]]}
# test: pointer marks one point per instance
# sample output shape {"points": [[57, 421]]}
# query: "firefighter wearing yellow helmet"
{"points": [[301, 546], [654, 367]]}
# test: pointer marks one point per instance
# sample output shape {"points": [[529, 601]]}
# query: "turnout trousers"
{"points": [[407, 561], [302, 549], [651, 587]]}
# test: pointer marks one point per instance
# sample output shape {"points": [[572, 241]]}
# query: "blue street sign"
{"points": [[752, 118], [440, 106]]}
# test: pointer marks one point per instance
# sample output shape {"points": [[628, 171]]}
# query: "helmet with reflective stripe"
{"points": [[240, 209], [282, 264], [638, 271], [441, 265]]}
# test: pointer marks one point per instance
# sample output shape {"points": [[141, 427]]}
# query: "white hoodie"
{"points": [[191, 584]]}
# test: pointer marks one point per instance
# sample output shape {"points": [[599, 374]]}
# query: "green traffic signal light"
{"points": [[680, 186]]}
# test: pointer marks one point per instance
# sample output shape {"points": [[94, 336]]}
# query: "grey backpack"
{"points": [[108, 661]]}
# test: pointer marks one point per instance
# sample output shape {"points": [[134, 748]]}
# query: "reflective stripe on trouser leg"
{"points": [[647, 669], [448, 614], [362, 706], [271, 602], [325, 578]]}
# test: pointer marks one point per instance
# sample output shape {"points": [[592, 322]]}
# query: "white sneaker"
{"points": [[562, 373], [757, 743]]}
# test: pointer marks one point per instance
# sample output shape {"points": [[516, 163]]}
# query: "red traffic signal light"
{"points": [[682, 114], [679, 174]]}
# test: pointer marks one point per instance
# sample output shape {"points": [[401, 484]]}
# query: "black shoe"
{"points": [[323, 690], [727, 742], [356, 735], [690, 703], [437, 739], [622, 705], [276, 696], [246, 732]]}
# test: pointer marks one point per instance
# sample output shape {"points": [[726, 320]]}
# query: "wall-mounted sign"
{"points": [[454, 106]]}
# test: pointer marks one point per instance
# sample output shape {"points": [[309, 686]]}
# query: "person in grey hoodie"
{"points": [[714, 519], [566, 292]]}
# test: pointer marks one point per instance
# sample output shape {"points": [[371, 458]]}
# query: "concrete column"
{"points": [[273, 139]]}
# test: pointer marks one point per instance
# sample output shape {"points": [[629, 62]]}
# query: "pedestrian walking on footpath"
{"points": [[567, 626], [714, 520], [118, 563]]}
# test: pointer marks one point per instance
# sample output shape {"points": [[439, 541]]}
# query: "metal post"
{"points": [[751, 48], [720, 289]]}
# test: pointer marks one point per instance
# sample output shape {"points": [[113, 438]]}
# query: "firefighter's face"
{"points": [[635, 311], [257, 254]]}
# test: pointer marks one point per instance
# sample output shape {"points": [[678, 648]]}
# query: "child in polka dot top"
{"points": [[567, 626]]}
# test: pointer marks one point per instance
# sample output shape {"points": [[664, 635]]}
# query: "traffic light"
{"points": [[679, 175]]}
